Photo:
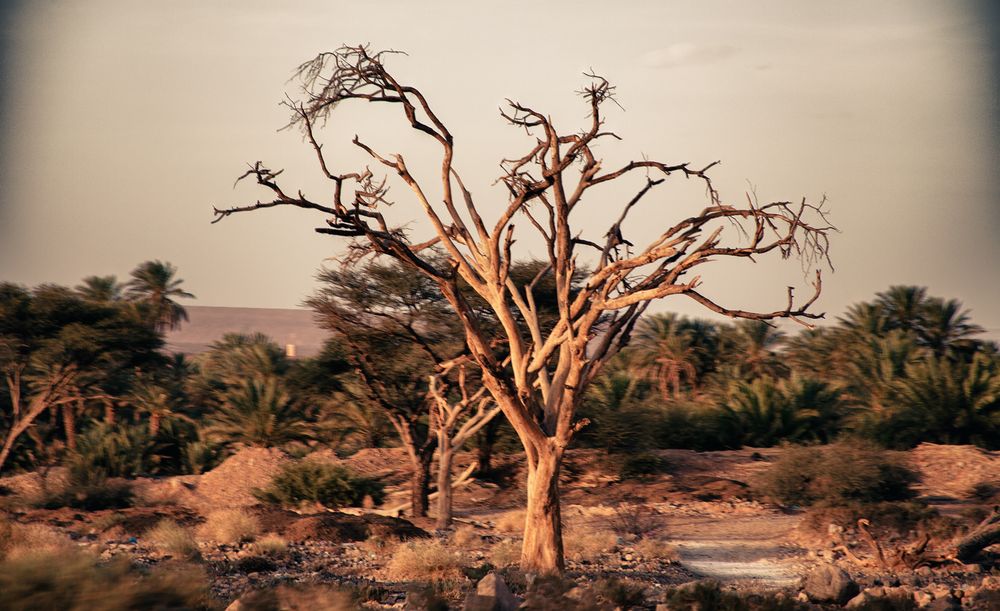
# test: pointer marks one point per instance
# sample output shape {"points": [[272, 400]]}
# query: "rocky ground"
{"points": [[696, 520]]}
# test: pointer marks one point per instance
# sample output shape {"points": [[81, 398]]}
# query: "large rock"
{"points": [[830, 584], [492, 594]]}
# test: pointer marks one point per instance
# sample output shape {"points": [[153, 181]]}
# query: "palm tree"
{"points": [[949, 402], [947, 328], [156, 401], [259, 412], [903, 306], [154, 286], [750, 347], [665, 353], [763, 415], [101, 289]]}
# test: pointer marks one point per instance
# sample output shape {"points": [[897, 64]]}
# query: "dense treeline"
{"points": [[88, 384]]}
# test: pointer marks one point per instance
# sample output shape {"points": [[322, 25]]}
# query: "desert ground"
{"points": [[697, 520]]}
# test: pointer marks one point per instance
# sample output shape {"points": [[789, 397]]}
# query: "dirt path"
{"points": [[746, 549]]}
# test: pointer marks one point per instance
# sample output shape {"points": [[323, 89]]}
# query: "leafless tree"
{"points": [[549, 369], [454, 421]]}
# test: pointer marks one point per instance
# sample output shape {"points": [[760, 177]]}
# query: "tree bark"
{"points": [[154, 424], [487, 439], [69, 425], [981, 537], [420, 485], [445, 458], [542, 551]]}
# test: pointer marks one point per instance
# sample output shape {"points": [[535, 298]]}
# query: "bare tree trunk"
{"points": [[420, 485], [109, 412], [69, 425], [446, 456], [487, 439], [543, 549], [154, 424]]}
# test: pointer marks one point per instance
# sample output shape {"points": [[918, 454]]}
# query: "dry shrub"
{"points": [[19, 540], [700, 595], [75, 581], [505, 553], [885, 518], [271, 545], [987, 491], [308, 598], [512, 521], [634, 521], [588, 543], [426, 560], [379, 547], [171, 538], [465, 536], [838, 474], [652, 548], [230, 527]]}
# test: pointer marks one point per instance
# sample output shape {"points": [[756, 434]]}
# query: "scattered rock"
{"points": [[492, 594], [828, 583]]}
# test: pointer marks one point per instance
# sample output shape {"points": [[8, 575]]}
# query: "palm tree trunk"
{"points": [[69, 425], [154, 424]]}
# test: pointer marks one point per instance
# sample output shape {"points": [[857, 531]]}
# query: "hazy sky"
{"points": [[125, 121]]}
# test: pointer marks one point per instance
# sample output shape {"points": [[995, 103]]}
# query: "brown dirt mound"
{"points": [[952, 471], [334, 526], [232, 483]]}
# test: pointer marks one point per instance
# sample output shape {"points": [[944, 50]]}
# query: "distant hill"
{"points": [[286, 327]]}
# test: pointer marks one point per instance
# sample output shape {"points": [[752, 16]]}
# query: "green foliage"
{"points": [[117, 451], [838, 474], [311, 481], [76, 582], [259, 412]]}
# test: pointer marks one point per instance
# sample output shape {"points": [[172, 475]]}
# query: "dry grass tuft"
{"points": [[465, 536], [271, 545], [587, 544], [511, 522], [505, 553], [230, 527], [426, 560], [19, 540], [652, 548], [171, 538]]}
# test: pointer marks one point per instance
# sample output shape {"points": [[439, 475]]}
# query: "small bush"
{"points": [[710, 595], [986, 491], [17, 540], [310, 481], [89, 490], [885, 518], [841, 473], [230, 527], [633, 521], [271, 545], [465, 536], [74, 581], [650, 548], [584, 544], [171, 538], [425, 560], [622, 593], [642, 466]]}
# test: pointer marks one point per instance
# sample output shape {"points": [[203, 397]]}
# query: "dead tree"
{"points": [[987, 533], [559, 173], [455, 421]]}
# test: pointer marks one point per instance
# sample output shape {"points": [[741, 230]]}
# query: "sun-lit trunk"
{"points": [[154, 424], [69, 425], [445, 458], [542, 551]]}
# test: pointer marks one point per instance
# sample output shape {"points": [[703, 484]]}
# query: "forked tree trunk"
{"points": [[542, 551], [446, 457]]}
